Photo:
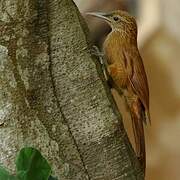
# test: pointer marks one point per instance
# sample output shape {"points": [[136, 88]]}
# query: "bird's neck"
{"points": [[122, 37]]}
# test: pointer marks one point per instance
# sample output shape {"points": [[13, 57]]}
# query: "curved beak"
{"points": [[99, 15]]}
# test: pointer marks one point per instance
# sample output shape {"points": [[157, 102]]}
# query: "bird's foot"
{"points": [[102, 60], [96, 52]]}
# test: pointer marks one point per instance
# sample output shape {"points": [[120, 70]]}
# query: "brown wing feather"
{"points": [[138, 78]]}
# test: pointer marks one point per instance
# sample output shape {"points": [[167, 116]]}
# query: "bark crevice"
{"points": [[58, 103], [60, 110]]}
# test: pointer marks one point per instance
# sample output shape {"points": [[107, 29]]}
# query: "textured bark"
{"points": [[53, 98]]}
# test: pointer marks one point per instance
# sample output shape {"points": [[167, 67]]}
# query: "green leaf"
{"points": [[31, 165], [4, 174]]}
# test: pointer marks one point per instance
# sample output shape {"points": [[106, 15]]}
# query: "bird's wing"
{"points": [[137, 76]]}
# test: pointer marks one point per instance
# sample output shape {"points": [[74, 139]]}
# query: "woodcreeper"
{"points": [[125, 68]]}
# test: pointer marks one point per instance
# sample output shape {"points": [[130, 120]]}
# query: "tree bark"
{"points": [[53, 98]]}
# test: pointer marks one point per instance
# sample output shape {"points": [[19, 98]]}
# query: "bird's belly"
{"points": [[118, 75]]}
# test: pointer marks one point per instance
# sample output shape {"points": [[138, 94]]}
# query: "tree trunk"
{"points": [[53, 98]]}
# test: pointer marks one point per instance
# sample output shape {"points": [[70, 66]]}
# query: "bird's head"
{"points": [[118, 20]]}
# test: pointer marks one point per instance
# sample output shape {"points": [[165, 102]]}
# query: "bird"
{"points": [[127, 73]]}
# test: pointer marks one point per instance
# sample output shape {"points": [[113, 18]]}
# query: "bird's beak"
{"points": [[99, 15]]}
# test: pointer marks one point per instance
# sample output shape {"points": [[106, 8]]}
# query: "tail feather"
{"points": [[138, 117]]}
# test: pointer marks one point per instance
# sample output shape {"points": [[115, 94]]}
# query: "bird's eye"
{"points": [[115, 18]]}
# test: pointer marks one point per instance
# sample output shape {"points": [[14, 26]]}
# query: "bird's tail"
{"points": [[138, 117]]}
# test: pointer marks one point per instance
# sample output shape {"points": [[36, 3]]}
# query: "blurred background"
{"points": [[159, 43]]}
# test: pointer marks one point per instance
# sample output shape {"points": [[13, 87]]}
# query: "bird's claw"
{"points": [[101, 59], [96, 52]]}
